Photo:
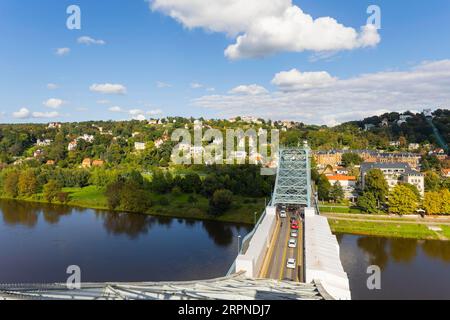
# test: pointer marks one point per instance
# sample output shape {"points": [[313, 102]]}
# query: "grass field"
{"points": [[339, 209], [386, 229]]}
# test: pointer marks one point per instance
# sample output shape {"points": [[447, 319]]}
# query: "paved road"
{"points": [[275, 265]]}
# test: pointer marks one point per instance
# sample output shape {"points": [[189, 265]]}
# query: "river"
{"points": [[38, 242]]}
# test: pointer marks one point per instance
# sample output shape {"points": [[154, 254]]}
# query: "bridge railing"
{"points": [[243, 246]]}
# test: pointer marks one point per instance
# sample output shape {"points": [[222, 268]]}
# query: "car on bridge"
{"points": [[295, 225], [292, 243], [291, 264], [294, 234], [283, 214]]}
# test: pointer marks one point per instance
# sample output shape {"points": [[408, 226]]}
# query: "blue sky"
{"points": [[177, 64]]}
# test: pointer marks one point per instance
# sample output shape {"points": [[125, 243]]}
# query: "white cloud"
{"points": [[196, 85], [52, 86], [23, 113], [108, 88], [53, 103], [155, 112], [103, 101], [62, 51], [304, 98], [160, 84], [139, 117], [252, 89], [264, 27], [116, 109], [88, 41], [211, 89], [52, 114], [295, 80]]}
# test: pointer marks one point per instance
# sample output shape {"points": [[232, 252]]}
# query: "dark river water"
{"points": [[38, 242], [410, 269]]}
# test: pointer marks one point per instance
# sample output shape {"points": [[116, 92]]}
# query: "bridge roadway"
{"points": [[275, 262]]}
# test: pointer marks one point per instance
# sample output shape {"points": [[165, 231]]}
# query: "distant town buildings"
{"points": [[395, 173], [54, 125], [333, 158], [72, 145], [348, 184]]}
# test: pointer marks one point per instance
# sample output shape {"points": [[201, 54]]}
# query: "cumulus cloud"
{"points": [[88, 41], [155, 112], [53, 103], [62, 51], [161, 85], [116, 109], [295, 80], [23, 113], [108, 88], [264, 27], [252, 89], [304, 97], [52, 86], [196, 85], [52, 114]]}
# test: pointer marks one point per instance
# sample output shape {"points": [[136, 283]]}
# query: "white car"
{"points": [[294, 234], [292, 243], [291, 264], [283, 214]]}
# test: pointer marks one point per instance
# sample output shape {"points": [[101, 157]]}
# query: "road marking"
{"points": [[269, 254], [283, 261]]}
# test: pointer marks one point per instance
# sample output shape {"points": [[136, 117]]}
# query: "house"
{"points": [[134, 134], [43, 143], [446, 173], [87, 163], [50, 162], [395, 173], [86, 137], [385, 123], [98, 163], [395, 144], [403, 119], [139, 146], [153, 122], [54, 125], [38, 153], [413, 146], [159, 143], [348, 184], [72, 145]]}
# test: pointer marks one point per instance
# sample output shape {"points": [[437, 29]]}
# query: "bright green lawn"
{"points": [[384, 229]]}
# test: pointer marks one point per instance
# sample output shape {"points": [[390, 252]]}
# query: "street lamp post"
{"points": [[256, 213], [239, 244]]}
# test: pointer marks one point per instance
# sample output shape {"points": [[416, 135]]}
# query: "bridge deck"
{"points": [[275, 264]]}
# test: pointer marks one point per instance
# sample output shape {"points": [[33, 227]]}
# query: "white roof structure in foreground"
{"points": [[235, 287], [322, 258]]}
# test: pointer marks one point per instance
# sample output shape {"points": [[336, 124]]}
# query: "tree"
{"points": [[402, 200], [323, 188], [432, 181], [113, 192], [220, 201], [377, 185], [191, 183], [27, 184], [337, 192], [368, 203], [351, 159], [133, 198], [437, 202], [10, 184], [415, 190], [51, 190]]}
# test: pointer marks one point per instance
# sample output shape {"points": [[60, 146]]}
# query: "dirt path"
{"points": [[388, 219]]}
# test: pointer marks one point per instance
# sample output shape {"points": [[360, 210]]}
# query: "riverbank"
{"points": [[178, 206], [390, 226]]}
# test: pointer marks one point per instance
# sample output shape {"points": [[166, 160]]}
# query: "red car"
{"points": [[295, 225]]}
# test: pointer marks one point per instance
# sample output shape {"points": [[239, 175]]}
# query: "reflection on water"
{"points": [[38, 241], [411, 269]]}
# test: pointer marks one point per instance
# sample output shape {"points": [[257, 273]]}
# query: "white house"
{"points": [[139, 146], [348, 184]]}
